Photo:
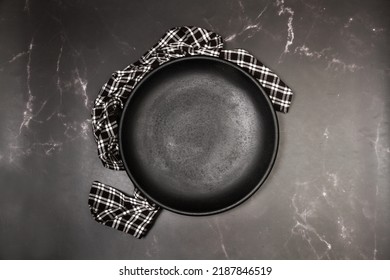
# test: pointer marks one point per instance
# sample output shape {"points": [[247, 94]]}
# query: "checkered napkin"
{"points": [[111, 207], [135, 214]]}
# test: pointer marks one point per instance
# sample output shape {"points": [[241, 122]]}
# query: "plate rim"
{"points": [[274, 152]]}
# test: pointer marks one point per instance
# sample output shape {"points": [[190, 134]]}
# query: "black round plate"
{"points": [[198, 135]]}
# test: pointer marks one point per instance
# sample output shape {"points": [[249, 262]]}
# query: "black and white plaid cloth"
{"points": [[135, 214], [111, 207]]}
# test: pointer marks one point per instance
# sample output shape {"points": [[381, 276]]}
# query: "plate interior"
{"points": [[198, 136]]}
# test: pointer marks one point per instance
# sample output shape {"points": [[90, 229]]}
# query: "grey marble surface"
{"points": [[328, 194]]}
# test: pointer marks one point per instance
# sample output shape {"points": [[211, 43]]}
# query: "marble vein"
{"points": [[345, 231], [40, 110], [249, 25], [74, 129], [337, 64], [381, 152], [28, 112], [333, 63], [305, 230], [48, 147], [58, 74], [221, 240], [85, 128], [375, 222], [20, 146], [82, 85], [217, 230], [305, 51], [290, 30], [309, 200], [14, 58], [381, 149]]}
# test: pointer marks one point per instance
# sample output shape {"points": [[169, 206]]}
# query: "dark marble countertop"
{"points": [[328, 194]]}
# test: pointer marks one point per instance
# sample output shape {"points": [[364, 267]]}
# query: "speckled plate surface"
{"points": [[198, 135]]}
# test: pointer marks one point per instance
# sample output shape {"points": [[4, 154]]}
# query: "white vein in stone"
{"points": [[48, 147], [306, 231], [326, 133], [305, 208], [60, 91], [333, 63], [337, 64], [206, 20], [345, 232], [72, 129], [249, 25], [85, 128], [305, 51], [230, 37], [332, 177], [261, 13], [242, 8], [375, 223], [255, 27], [381, 152], [68, 128], [290, 30], [15, 57], [221, 240], [82, 84], [28, 112], [39, 111]]}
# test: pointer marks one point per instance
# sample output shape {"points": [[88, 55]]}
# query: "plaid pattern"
{"points": [[279, 93], [177, 42], [111, 207]]}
